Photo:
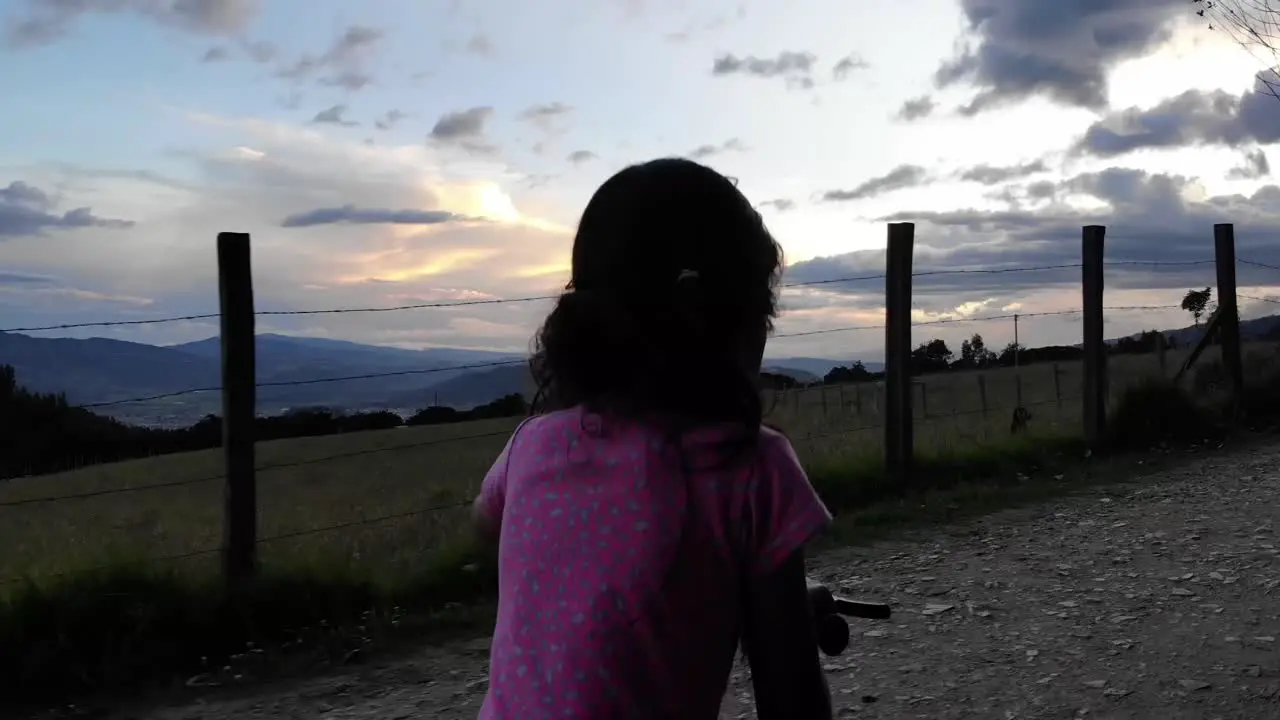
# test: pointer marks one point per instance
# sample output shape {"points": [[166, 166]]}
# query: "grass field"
{"points": [[393, 472], [355, 529]]}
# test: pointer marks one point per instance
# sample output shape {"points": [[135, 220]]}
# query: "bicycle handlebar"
{"points": [[832, 629]]}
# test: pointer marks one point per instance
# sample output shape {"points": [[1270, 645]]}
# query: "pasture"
{"points": [[397, 497]]}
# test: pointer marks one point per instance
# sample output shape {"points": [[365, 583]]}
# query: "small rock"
{"points": [[1095, 684], [1194, 684]]}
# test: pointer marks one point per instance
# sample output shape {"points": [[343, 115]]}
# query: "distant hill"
{"points": [[103, 370]]}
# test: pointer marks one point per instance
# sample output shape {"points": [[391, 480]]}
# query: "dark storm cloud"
{"points": [[1148, 219], [1193, 118], [901, 177], [352, 215], [1061, 50], [27, 211]]}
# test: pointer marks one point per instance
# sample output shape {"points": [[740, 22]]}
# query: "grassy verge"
{"points": [[132, 627]]}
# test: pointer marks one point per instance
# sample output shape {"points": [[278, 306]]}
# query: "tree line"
{"points": [[935, 356], [43, 433]]}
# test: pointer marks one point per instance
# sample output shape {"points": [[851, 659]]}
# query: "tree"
{"points": [[1011, 354], [1255, 26], [1195, 303], [974, 353], [931, 356], [857, 372]]}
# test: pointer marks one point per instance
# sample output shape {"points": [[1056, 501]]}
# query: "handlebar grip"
{"points": [[859, 609]]}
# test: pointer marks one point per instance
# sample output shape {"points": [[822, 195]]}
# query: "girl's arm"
{"points": [[780, 639], [782, 646], [487, 526]]}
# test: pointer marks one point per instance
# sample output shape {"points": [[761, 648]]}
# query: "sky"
{"points": [[397, 152]]}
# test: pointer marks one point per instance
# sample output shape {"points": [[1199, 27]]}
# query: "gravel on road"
{"points": [[1154, 599]]}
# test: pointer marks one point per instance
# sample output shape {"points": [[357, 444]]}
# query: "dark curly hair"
{"points": [[671, 298]]}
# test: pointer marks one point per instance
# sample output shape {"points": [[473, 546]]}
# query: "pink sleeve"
{"points": [[493, 491], [786, 512]]}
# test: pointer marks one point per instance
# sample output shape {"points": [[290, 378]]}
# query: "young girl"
{"points": [[649, 522]]}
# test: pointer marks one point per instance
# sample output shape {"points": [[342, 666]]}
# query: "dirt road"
{"points": [[1156, 600]]}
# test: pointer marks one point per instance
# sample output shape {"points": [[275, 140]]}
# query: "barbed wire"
{"points": [[267, 467], [501, 363], [1255, 263], [534, 298], [1259, 299], [442, 507], [263, 541]]}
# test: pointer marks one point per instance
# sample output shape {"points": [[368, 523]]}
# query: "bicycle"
{"points": [[830, 611]]}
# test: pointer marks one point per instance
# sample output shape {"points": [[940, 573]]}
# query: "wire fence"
{"points": [[851, 403]]}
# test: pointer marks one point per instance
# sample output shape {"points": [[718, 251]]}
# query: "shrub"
{"points": [[1156, 412]]}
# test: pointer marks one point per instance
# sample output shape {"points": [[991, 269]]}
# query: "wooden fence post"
{"points": [[823, 390], [239, 377], [924, 399], [1224, 247], [857, 399], [840, 395], [982, 393], [1057, 385], [1095, 349], [897, 352]]}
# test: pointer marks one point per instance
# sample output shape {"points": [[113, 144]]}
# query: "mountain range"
{"points": [[100, 370]]}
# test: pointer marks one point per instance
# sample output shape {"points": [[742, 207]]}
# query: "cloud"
{"points": [[334, 116], [577, 157], [705, 151], [343, 64], [1192, 118], [1255, 165], [1017, 49], [464, 129], [847, 64], [45, 21], [352, 215], [216, 53], [376, 253], [480, 44], [901, 177], [390, 119], [994, 175], [1150, 218], [259, 51], [795, 67], [779, 204], [27, 211], [539, 114], [15, 278], [916, 109]]}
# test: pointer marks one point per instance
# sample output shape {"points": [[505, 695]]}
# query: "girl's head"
{"points": [[671, 298]]}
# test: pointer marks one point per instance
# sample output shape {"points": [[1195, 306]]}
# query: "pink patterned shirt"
{"points": [[603, 612]]}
